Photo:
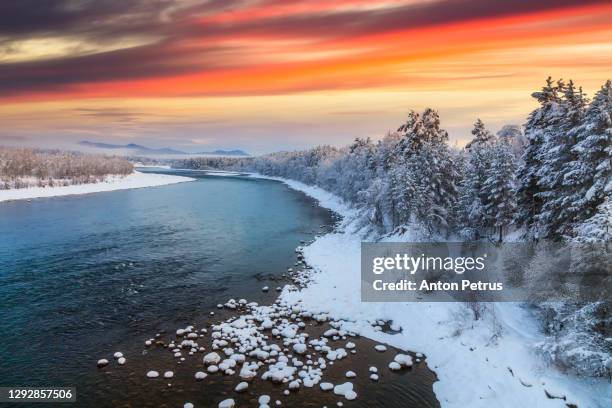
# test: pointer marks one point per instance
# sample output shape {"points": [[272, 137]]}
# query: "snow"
{"points": [[479, 363], [112, 183]]}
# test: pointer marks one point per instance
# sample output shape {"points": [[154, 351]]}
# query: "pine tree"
{"points": [[482, 136], [499, 187], [540, 124], [590, 173], [554, 220], [474, 197]]}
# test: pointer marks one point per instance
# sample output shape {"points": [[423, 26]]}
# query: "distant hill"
{"points": [[143, 150]]}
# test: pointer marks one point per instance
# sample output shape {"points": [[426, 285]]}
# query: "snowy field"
{"points": [[479, 363], [134, 180]]}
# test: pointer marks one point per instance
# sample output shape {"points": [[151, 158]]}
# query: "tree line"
{"points": [[25, 167], [549, 181]]}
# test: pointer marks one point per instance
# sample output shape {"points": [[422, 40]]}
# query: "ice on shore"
{"points": [[112, 183]]}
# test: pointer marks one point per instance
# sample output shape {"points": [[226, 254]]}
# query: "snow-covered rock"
{"points": [[227, 403], [326, 386], [212, 358], [241, 386]]}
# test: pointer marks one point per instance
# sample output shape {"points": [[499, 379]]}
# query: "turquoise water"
{"points": [[84, 276]]}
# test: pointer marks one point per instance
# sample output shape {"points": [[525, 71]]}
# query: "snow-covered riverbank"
{"points": [[134, 180], [479, 363]]}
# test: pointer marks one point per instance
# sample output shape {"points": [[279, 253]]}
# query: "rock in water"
{"points": [[152, 374], [212, 358], [394, 366], [102, 362], [404, 360], [228, 403], [326, 386]]}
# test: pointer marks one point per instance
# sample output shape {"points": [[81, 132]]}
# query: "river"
{"points": [[84, 276]]}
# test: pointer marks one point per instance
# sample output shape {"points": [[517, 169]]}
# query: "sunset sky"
{"points": [[267, 75]]}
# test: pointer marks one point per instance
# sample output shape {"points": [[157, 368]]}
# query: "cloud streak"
{"points": [[209, 47]]}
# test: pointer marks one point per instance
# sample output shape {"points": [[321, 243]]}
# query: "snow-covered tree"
{"points": [[556, 151], [541, 123], [589, 174], [474, 197], [515, 138], [499, 187]]}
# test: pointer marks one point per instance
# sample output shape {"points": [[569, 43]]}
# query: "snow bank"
{"points": [[134, 180], [479, 363]]}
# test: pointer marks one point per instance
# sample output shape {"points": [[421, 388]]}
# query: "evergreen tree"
{"points": [[474, 197], [590, 173], [499, 187], [540, 124], [554, 219], [481, 134]]}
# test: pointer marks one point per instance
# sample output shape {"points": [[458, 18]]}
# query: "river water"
{"points": [[84, 276]]}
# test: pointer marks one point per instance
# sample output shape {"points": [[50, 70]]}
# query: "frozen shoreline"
{"points": [[479, 363], [112, 183]]}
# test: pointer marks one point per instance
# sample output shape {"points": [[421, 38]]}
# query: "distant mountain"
{"points": [[139, 149], [220, 152]]}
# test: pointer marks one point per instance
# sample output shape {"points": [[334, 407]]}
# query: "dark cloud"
{"points": [[359, 22], [174, 22], [155, 60]]}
